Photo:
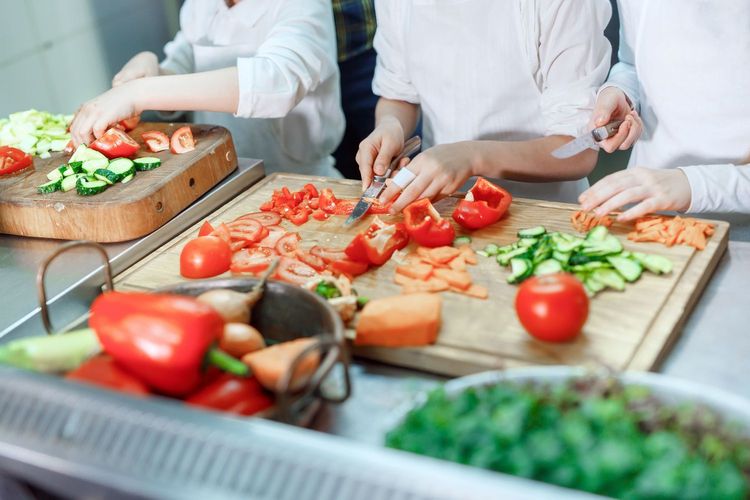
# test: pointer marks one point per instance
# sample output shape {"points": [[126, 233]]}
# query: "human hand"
{"points": [[379, 148], [94, 117], [141, 65], [649, 189], [612, 104], [439, 171]]}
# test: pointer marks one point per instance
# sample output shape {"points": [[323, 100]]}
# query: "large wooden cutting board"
{"points": [[124, 211], [625, 330]]}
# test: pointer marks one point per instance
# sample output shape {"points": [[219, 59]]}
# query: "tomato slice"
{"points": [[275, 233], [223, 233], [155, 140], [13, 160], [265, 218], [311, 260], [348, 267], [128, 124], [206, 229], [252, 260], [204, 257], [115, 144], [328, 254], [182, 140], [294, 271], [249, 230], [288, 244]]}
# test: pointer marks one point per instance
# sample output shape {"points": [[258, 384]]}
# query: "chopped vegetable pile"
{"points": [[592, 434], [672, 230], [439, 269], [35, 132], [598, 260], [585, 221]]}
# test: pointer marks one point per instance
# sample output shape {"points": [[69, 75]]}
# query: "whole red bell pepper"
{"points": [[105, 372], [162, 339], [484, 204], [426, 227], [377, 243], [232, 394]]}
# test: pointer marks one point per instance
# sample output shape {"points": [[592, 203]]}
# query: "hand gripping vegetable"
{"points": [[162, 339], [484, 204], [377, 243], [426, 227], [51, 353]]}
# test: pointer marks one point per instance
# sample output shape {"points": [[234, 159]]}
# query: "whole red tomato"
{"points": [[204, 257], [552, 308]]}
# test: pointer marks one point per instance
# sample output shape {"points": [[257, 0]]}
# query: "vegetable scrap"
{"points": [[583, 221]]}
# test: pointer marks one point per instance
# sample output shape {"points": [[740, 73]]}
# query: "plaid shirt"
{"points": [[355, 26]]}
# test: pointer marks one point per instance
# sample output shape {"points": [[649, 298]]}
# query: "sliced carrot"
{"points": [[401, 279], [417, 271], [458, 279], [431, 285], [458, 264], [271, 364], [405, 320], [468, 254], [443, 255], [476, 291]]}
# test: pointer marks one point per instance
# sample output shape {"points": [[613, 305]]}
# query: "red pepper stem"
{"points": [[227, 363]]}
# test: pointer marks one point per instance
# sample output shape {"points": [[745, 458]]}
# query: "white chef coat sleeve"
{"points": [[391, 79], [179, 54], [623, 74], [298, 55], [574, 58], [719, 188]]}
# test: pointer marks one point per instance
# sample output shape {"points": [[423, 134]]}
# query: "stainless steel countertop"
{"points": [[75, 279]]}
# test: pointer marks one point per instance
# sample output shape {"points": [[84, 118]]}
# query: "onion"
{"points": [[239, 339], [233, 306]]}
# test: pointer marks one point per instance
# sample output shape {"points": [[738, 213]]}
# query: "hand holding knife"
{"points": [[587, 140]]}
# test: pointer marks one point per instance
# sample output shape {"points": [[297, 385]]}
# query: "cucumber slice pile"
{"points": [[599, 260], [90, 172]]}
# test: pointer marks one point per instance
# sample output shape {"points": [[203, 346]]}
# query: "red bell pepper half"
{"points": [[377, 243], [162, 339], [232, 394], [484, 204], [426, 227]]}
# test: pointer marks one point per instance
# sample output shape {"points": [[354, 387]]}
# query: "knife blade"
{"points": [[587, 140], [378, 184]]}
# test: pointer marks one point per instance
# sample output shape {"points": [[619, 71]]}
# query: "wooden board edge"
{"points": [[667, 328]]}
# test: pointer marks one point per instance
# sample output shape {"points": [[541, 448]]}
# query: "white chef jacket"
{"points": [[686, 64], [289, 111], [507, 70]]}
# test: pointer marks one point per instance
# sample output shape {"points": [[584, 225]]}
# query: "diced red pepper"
{"points": [[232, 394], [348, 267], [327, 201], [162, 339], [484, 204], [320, 215], [299, 216], [13, 160], [312, 191], [377, 243], [426, 227]]}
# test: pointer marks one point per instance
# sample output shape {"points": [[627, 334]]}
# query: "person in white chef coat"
{"points": [[499, 85], [265, 69], [686, 67]]}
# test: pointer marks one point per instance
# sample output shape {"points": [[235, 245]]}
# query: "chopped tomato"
{"points": [[287, 245], [182, 140], [327, 201], [348, 267], [299, 216], [204, 257], [328, 254], [128, 124], [275, 233], [155, 140], [223, 233], [312, 191], [13, 160], [248, 229], [252, 260], [265, 218], [320, 215], [115, 144], [206, 229], [311, 260], [294, 271]]}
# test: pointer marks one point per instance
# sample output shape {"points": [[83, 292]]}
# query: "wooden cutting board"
{"points": [[626, 330], [124, 211]]}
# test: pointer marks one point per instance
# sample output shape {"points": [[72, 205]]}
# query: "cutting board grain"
{"points": [[124, 211], [626, 330]]}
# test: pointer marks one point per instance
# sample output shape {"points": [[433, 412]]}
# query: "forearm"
{"points": [[530, 161], [208, 91], [406, 113]]}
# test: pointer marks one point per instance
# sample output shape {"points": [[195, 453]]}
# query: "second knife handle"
{"points": [[606, 131]]}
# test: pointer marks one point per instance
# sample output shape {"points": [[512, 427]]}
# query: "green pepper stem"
{"points": [[227, 363]]}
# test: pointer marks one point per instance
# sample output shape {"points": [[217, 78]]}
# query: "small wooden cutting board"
{"points": [[124, 211]]}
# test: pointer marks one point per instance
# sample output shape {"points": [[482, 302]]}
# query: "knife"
{"points": [[411, 147], [587, 140]]}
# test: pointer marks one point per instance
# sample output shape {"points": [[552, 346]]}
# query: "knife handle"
{"points": [[606, 131], [410, 147]]}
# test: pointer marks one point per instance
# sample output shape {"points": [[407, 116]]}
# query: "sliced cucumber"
{"points": [[69, 183], [128, 178], [549, 266], [91, 166], [608, 245], [526, 242], [462, 240], [561, 257], [654, 263], [520, 269], [57, 174], [532, 232], [84, 153], [147, 163], [610, 278], [504, 258], [628, 269], [50, 187], [593, 285], [69, 170], [107, 176], [507, 248], [597, 233], [87, 187], [492, 249], [588, 267]]}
